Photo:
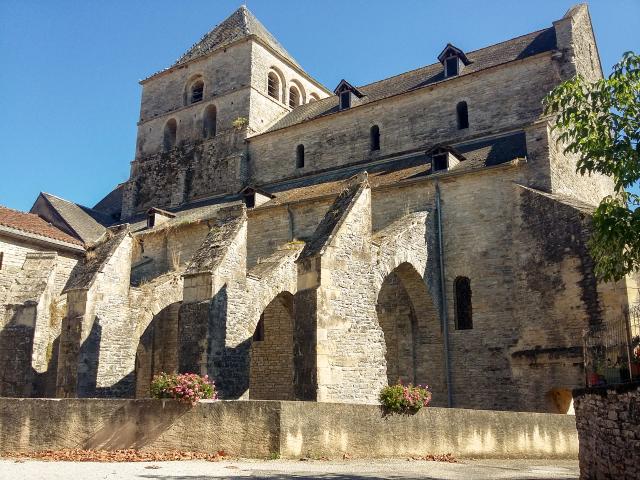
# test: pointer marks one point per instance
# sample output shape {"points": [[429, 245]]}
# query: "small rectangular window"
{"points": [[439, 162], [452, 66], [345, 100]]}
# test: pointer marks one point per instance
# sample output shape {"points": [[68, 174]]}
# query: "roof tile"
{"points": [[31, 223]]}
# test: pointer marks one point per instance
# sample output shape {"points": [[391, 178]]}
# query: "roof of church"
{"points": [[510, 50], [32, 223], [240, 24], [87, 223]]}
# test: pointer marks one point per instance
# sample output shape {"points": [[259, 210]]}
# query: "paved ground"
{"points": [[292, 470]]}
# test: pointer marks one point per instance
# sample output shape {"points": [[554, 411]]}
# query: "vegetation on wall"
{"points": [[405, 399], [600, 122], [186, 387]]}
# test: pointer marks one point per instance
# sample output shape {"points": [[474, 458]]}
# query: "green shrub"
{"points": [[405, 398], [186, 387]]}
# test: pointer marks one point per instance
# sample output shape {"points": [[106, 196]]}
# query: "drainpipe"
{"points": [[443, 298]]}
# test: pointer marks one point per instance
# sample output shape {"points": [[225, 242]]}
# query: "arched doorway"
{"points": [[271, 367], [412, 332], [157, 349]]}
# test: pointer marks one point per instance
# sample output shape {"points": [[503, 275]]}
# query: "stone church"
{"points": [[298, 243]]}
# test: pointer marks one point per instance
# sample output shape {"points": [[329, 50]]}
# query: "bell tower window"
{"points": [[273, 85], [294, 97], [197, 91]]}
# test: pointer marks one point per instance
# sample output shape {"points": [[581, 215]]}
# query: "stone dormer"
{"points": [[254, 197], [348, 95], [453, 60], [444, 158]]}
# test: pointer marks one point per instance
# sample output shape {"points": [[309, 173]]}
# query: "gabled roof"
{"points": [[249, 189], [344, 85], [508, 51], [82, 222], [32, 223], [335, 216], [240, 24]]}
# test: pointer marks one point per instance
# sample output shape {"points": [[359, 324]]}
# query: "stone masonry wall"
{"points": [[500, 98], [271, 369], [608, 422]]}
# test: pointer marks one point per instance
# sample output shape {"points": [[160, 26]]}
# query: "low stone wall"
{"points": [[608, 422], [290, 429]]}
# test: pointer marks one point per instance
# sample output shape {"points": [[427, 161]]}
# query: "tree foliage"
{"points": [[600, 123]]}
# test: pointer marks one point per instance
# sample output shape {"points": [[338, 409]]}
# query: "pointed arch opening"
{"points": [[209, 122], [411, 329], [271, 363]]}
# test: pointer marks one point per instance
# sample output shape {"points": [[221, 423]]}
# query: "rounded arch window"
{"points": [[194, 90], [273, 85]]}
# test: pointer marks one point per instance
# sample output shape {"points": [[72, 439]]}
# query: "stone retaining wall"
{"points": [[289, 429], [608, 422]]}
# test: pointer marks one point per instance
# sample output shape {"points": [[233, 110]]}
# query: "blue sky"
{"points": [[68, 81]]}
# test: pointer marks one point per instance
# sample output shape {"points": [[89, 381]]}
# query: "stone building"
{"points": [[298, 243]]}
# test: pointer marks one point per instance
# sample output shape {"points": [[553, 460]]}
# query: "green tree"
{"points": [[600, 122]]}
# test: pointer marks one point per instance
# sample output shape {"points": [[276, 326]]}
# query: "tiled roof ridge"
{"points": [[60, 235]]}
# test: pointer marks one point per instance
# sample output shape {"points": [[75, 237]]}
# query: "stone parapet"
{"points": [[261, 429]]}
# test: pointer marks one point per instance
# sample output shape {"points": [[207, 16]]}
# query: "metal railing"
{"points": [[612, 350]]}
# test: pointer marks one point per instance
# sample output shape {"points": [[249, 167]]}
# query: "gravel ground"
{"points": [[288, 469]]}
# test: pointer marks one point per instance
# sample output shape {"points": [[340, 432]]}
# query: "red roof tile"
{"points": [[31, 223]]}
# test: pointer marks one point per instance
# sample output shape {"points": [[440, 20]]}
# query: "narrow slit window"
{"points": [[463, 115], [375, 138], [300, 156], [462, 293]]}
